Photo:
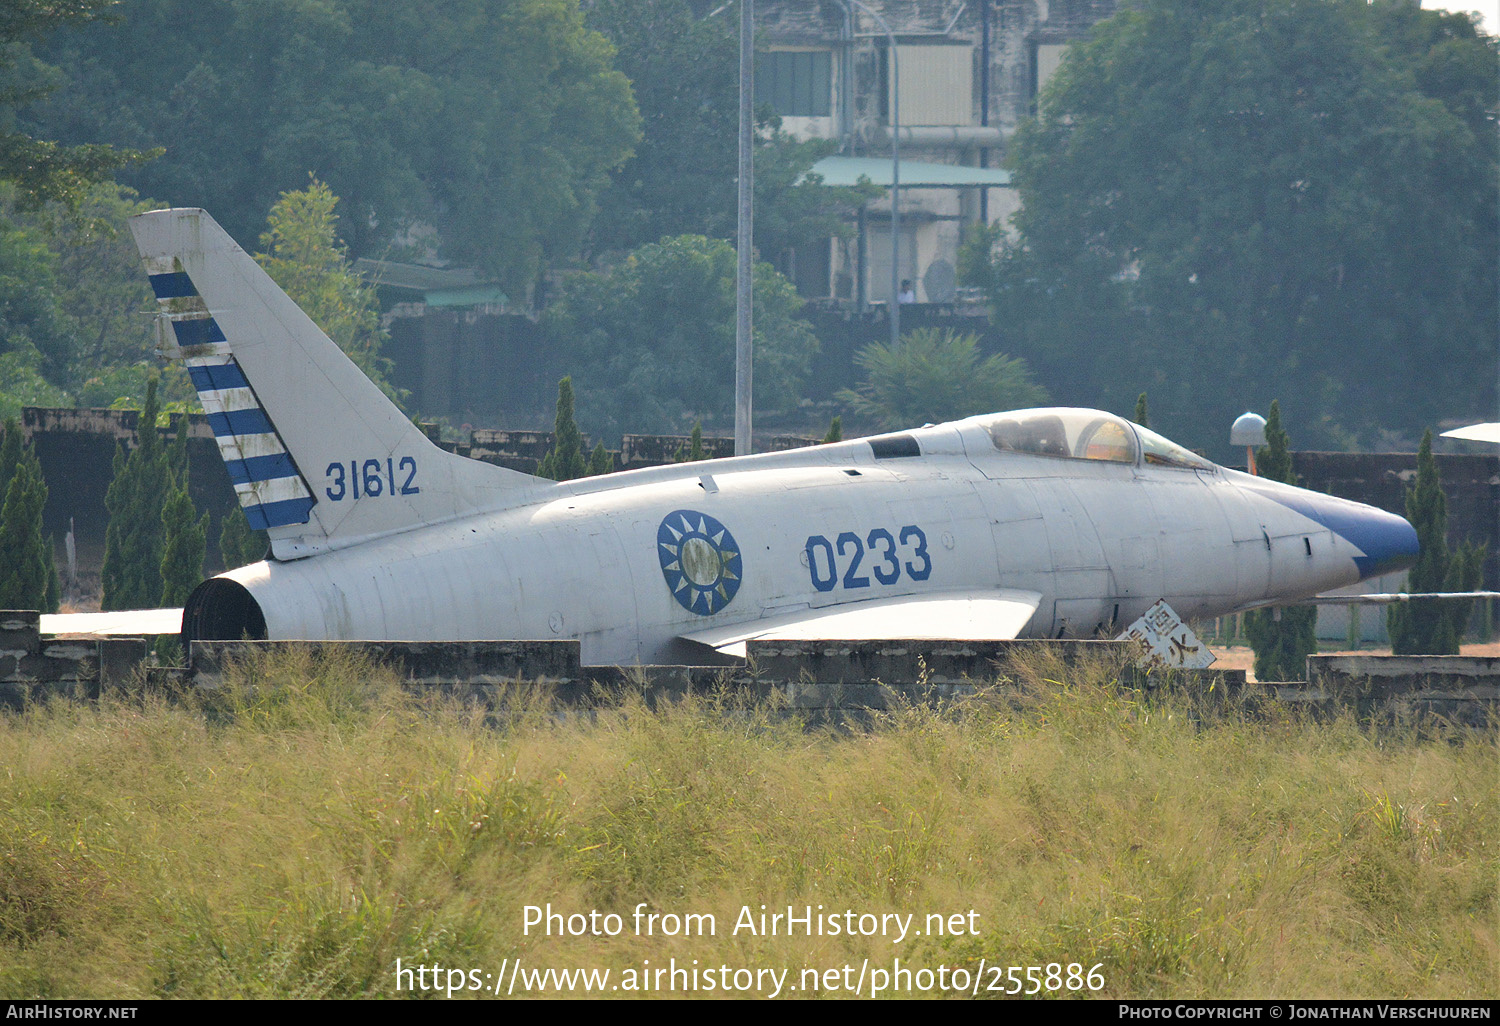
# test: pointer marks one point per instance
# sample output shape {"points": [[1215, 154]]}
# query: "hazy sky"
{"points": [[1489, 8]]}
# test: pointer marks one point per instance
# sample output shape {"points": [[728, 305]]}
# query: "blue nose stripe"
{"points": [[1388, 542]]}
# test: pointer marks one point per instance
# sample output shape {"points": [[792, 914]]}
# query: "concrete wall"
{"points": [[825, 681], [31, 667], [475, 369], [1463, 689]]}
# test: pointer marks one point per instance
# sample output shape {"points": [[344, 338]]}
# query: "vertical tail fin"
{"points": [[319, 457]]}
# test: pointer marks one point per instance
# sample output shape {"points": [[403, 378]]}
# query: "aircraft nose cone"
{"points": [[1388, 542], [1385, 542]]}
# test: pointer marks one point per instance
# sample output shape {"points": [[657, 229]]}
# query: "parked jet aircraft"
{"points": [[1033, 523]]}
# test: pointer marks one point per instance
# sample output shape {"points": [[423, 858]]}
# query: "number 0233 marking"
{"points": [[371, 479], [891, 555]]}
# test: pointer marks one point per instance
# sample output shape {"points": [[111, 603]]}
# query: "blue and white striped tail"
{"points": [[271, 489]]}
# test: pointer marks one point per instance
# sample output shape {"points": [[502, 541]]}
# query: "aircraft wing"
{"points": [[128, 623], [1476, 433], [994, 615], [1391, 598]]}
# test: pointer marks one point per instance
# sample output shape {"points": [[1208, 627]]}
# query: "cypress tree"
{"points": [[131, 574], [10, 453], [185, 540], [25, 569], [176, 453], [238, 543], [601, 462], [1282, 638], [1275, 461], [1433, 626], [835, 431], [1142, 414], [566, 461], [694, 451], [184, 535], [28, 579]]}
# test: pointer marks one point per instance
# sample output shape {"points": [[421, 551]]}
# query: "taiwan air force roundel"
{"points": [[700, 560]]}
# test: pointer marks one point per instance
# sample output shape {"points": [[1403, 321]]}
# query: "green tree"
{"points": [[131, 574], [792, 205], [11, 442], [694, 450], [1284, 637], [22, 382], [107, 305], [652, 340], [28, 579], [1142, 411], [492, 124], [566, 461], [684, 70], [100, 286], [1258, 194], [36, 343], [239, 544], [600, 461], [937, 374], [42, 170], [835, 431], [23, 561], [184, 544], [75, 310], [1433, 626], [311, 265], [976, 255]]}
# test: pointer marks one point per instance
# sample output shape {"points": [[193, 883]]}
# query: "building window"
{"points": [[796, 83], [1045, 59], [937, 84]]}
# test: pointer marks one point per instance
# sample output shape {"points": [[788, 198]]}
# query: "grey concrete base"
{"points": [[820, 680], [32, 667], [1463, 689]]}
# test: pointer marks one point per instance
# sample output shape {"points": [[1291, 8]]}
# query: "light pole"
{"points": [[744, 338], [895, 301]]}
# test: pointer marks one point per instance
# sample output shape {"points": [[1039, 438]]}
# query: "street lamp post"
{"points": [[743, 294], [895, 300]]}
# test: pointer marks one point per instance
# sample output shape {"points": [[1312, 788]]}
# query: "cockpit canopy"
{"points": [[1072, 434]]}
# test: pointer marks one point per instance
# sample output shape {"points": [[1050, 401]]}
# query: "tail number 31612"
{"points": [[371, 478]]}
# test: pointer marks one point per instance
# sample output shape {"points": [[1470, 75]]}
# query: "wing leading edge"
{"points": [[998, 615]]}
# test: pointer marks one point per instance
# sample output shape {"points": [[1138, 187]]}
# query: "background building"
{"points": [[968, 72]]}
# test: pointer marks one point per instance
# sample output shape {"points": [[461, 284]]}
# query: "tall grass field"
{"points": [[311, 829]]}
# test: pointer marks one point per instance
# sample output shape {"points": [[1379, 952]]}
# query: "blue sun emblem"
{"points": [[700, 560]]}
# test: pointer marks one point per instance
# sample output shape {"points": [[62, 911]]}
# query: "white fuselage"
{"points": [[629, 563]]}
